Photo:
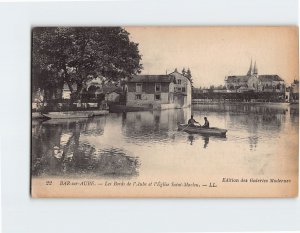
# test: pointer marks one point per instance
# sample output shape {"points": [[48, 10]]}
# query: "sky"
{"points": [[212, 53]]}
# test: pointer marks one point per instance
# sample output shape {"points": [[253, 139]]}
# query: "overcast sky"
{"points": [[215, 52]]}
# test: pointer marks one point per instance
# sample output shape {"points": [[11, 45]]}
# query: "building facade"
{"points": [[182, 89], [254, 82], [159, 91], [294, 92]]}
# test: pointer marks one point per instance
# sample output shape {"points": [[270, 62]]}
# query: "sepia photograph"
{"points": [[164, 111]]}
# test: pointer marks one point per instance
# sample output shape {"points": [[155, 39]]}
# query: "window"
{"points": [[183, 89], [157, 87], [178, 88], [157, 97], [178, 81], [138, 97], [138, 87]]}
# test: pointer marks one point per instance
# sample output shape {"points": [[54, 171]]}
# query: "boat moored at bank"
{"points": [[75, 114]]}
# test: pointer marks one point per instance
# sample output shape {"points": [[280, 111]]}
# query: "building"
{"points": [[66, 92], [182, 89], [242, 83], [37, 99], [254, 82], [112, 97], [159, 91], [292, 92], [112, 93], [95, 89], [271, 83]]}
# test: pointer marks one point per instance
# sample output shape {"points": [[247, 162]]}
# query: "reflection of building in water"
{"points": [[95, 126], [261, 109], [153, 125], [253, 119], [293, 113]]}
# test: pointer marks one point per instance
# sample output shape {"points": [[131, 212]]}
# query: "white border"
{"points": [[23, 214]]}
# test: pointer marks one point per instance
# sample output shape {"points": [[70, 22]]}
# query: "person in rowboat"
{"points": [[206, 123], [192, 121]]}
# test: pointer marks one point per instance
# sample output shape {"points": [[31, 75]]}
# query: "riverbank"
{"points": [[124, 108], [69, 114], [210, 101]]}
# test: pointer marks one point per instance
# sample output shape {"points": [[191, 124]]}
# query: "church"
{"points": [[254, 82]]}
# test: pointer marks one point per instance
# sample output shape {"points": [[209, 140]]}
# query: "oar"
{"points": [[185, 127]]}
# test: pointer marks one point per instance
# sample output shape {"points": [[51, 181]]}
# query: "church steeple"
{"points": [[255, 72], [249, 73]]}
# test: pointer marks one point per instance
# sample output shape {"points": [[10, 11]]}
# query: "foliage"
{"points": [[75, 55], [189, 75]]}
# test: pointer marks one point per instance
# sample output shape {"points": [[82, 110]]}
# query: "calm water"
{"points": [[147, 144]]}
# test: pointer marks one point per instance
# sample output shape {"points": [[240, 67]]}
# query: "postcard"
{"points": [[164, 111]]}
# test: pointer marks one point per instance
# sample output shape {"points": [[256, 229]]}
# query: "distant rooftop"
{"points": [[263, 78], [152, 79], [238, 78], [269, 77]]}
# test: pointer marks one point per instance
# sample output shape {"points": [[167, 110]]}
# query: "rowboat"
{"points": [[75, 114], [36, 115], [198, 129]]}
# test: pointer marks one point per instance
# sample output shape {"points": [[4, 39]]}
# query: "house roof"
{"points": [[176, 73], [236, 78], [151, 79], [269, 77], [109, 88]]}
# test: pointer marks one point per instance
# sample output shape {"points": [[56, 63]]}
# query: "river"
{"points": [[262, 139]]}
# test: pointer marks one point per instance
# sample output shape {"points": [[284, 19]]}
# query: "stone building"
{"points": [[159, 91], [294, 92], [271, 83], [252, 81]]}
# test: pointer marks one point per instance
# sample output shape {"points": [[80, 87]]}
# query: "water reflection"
{"points": [[191, 138], [203, 139], [206, 141], [128, 144], [153, 127], [58, 151]]}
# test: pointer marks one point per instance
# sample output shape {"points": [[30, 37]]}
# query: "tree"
{"points": [[75, 55], [183, 71], [189, 76]]}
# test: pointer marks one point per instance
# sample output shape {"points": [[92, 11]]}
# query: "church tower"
{"points": [[249, 73], [255, 72], [252, 74]]}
